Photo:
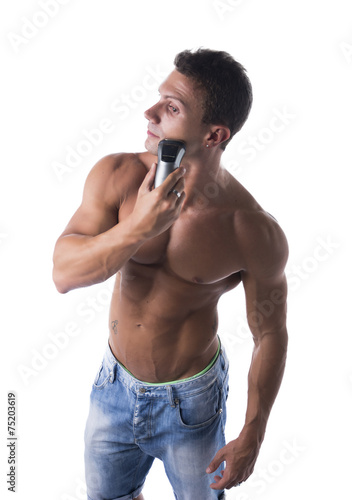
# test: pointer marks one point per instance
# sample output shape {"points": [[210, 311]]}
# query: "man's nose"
{"points": [[152, 114]]}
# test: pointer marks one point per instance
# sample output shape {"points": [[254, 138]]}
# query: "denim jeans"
{"points": [[131, 423]]}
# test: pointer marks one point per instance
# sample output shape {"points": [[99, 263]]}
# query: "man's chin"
{"points": [[152, 146]]}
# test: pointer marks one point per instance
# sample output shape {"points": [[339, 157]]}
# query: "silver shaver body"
{"points": [[170, 154]]}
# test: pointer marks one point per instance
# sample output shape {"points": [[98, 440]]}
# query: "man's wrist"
{"points": [[253, 433]]}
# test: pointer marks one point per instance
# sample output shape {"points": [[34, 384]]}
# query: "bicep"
{"points": [[265, 282], [91, 219], [265, 303]]}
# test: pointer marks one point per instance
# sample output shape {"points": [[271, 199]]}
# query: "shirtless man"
{"points": [[163, 384]]}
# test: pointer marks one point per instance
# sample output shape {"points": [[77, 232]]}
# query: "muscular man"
{"points": [[163, 384]]}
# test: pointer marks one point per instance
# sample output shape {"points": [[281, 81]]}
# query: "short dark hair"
{"points": [[226, 87]]}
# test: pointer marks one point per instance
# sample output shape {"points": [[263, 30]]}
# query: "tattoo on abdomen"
{"points": [[114, 326]]}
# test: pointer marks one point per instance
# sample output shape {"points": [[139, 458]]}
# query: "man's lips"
{"points": [[151, 133]]}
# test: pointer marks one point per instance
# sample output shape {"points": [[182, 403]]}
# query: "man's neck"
{"points": [[202, 179]]}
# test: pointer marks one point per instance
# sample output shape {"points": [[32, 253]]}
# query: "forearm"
{"points": [[264, 380], [81, 260]]}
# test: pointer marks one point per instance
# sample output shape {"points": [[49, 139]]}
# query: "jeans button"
{"points": [[142, 390]]}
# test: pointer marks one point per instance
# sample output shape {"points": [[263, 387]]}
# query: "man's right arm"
{"points": [[94, 246]]}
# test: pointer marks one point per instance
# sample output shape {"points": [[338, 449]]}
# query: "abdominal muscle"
{"points": [[161, 327]]}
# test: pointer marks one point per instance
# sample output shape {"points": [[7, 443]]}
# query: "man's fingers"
{"points": [[180, 200], [214, 464], [221, 483], [173, 179], [217, 479], [148, 180], [177, 188], [226, 481]]}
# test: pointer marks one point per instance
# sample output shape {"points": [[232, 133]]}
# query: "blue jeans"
{"points": [[131, 423]]}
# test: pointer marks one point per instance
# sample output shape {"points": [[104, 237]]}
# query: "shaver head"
{"points": [[170, 154]]}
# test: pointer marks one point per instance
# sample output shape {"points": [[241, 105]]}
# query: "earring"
{"points": [[207, 145]]}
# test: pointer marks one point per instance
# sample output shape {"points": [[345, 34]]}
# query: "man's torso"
{"points": [[163, 316]]}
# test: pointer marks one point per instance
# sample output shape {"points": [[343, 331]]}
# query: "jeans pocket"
{"points": [[103, 376], [201, 409]]}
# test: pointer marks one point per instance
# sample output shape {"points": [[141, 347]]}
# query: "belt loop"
{"points": [[170, 396]]}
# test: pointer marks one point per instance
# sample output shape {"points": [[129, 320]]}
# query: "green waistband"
{"points": [[212, 362]]}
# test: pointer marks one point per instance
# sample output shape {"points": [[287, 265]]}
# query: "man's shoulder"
{"points": [[253, 223], [120, 169], [262, 240], [120, 163], [114, 176]]}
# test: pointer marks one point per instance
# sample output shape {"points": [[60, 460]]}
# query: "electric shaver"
{"points": [[170, 154]]}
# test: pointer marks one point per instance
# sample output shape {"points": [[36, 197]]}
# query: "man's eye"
{"points": [[172, 108]]}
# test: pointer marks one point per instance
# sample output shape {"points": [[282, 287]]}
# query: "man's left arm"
{"points": [[266, 291]]}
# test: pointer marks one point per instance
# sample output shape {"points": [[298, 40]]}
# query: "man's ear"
{"points": [[218, 135]]}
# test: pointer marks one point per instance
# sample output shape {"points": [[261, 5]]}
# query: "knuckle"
{"points": [[158, 195]]}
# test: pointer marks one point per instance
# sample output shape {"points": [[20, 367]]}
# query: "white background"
{"points": [[66, 77]]}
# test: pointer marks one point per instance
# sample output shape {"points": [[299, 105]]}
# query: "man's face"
{"points": [[177, 115]]}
